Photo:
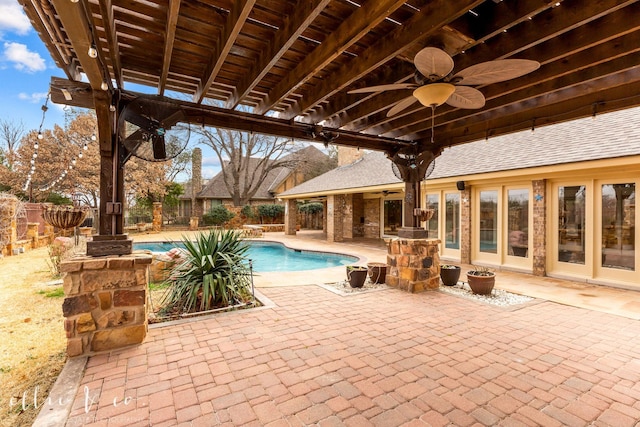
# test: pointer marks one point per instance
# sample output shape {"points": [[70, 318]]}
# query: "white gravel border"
{"points": [[498, 297]]}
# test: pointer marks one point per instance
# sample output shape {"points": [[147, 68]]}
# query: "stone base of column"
{"points": [[105, 305], [413, 233], [413, 264], [194, 222]]}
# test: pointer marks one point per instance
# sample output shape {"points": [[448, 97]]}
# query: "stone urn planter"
{"points": [[356, 275], [449, 274], [377, 272], [481, 281], [64, 217]]}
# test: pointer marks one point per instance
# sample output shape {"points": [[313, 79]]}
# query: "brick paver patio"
{"points": [[383, 358]]}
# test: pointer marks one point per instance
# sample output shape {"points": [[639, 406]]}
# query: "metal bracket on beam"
{"points": [[114, 208]]}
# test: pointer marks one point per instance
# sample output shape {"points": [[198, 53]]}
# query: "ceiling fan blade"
{"points": [[405, 103], [466, 97], [496, 71], [380, 88], [432, 61]]}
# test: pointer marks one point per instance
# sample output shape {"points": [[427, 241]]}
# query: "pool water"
{"points": [[272, 256]]}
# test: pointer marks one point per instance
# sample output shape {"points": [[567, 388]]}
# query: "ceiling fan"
{"points": [[434, 84]]}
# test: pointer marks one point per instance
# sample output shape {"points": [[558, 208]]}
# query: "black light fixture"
{"points": [[460, 185]]}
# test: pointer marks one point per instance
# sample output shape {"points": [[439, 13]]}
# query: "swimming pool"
{"points": [[271, 256]]}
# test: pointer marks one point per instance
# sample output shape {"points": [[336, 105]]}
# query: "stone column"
{"points": [[539, 227], [334, 218], [8, 216], [157, 216], [105, 305], [413, 264], [194, 223], [347, 217], [465, 225], [290, 217], [32, 233]]}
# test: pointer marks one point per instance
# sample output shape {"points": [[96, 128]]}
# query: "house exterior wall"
{"points": [[596, 257]]}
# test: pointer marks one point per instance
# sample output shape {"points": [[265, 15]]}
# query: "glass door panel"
{"points": [[433, 202], [452, 221], [392, 217], [571, 224], [489, 222], [518, 223], [618, 226]]}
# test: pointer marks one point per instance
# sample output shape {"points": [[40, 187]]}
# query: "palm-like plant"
{"points": [[213, 274]]}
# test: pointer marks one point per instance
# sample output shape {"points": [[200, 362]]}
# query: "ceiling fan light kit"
{"points": [[434, 94]]}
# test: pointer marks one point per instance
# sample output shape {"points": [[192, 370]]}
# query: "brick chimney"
{"points": [[196, 181], [348, 155]]}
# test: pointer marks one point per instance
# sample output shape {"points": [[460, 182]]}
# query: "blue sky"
{"points": [[25, 72]]}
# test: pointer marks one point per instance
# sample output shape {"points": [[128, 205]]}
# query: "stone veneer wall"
{"points": [[465, 225], [539, 228], [413, 264], [157, 216], [372, 218], [358, 215], [105, 305]]}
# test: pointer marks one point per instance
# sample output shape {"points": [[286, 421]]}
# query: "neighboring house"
{"points": [[559, 201], [309, 161]]}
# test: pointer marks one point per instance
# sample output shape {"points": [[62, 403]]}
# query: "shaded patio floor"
{"points": [[384, 358]]}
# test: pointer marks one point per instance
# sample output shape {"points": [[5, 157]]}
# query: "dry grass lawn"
{"points": [[32, 349]]}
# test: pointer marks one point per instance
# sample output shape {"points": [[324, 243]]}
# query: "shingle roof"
{"points": [[372, 169], [605, 136]]}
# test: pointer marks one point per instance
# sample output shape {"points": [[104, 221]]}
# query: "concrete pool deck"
{"points": [[384, 359]]}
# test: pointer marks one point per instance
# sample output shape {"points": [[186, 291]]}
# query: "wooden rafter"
{"points": [[106, 9], [235, 20], [74, 19], [295, 25], [421, 26], [170, 35], [360, 22]]}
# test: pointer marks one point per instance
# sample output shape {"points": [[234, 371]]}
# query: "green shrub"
{"points": [[217, 215], [213, 274], [270, 212], [247, 211]]}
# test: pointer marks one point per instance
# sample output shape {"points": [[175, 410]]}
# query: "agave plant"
{"points": [[213, 273]]}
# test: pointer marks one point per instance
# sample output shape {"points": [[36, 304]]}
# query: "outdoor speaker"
{"points": [[460, 185]]}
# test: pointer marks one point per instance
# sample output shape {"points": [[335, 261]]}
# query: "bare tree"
{"points": [[247, 158], [10, 136]]}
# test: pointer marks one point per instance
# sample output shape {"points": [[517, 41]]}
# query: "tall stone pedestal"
{"points": [[414, 264], [105, 305]]}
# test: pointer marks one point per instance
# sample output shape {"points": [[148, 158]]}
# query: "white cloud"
{"points": [[12, 18], [22, 58], [35, 98]]}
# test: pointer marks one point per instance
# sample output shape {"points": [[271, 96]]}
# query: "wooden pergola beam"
{"points": [[74, 20]]}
